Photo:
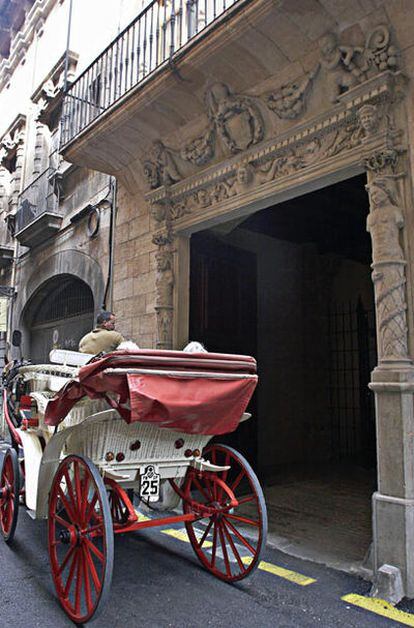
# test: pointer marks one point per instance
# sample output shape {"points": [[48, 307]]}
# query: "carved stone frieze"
{"points": [[361, 124], [235, 122], [384, 223]]}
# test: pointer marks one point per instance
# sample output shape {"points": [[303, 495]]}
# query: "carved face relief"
{"points": [[203, 198], [244, 174], [152, 175], [368, 118], [328, 46]]}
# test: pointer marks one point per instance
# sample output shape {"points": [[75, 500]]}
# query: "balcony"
{"points": [[38, 216], [150, 42], [152, 79]]}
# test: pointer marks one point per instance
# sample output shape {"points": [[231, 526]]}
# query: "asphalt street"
{"points": [[158, 583]]}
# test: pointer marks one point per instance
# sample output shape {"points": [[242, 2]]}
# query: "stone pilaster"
{"points": [[164, 283], [393, 378]]}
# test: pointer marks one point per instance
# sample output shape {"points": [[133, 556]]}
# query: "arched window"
{"points": [[58, 315]]}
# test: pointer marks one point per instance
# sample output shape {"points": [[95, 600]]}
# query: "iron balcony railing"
{"points": [[36, 199], [152, 39]]}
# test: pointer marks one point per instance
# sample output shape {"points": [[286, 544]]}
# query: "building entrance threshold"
{"points": [[323, 515]]}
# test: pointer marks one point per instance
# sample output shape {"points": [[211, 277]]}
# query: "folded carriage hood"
{"points": [[203, 393]]}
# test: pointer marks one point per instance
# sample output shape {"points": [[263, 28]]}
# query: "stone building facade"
{"points": [[242, 144], [56, 217], [269, 102]]}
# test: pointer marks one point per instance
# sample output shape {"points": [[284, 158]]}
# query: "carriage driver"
{"points": [[103, 338]]}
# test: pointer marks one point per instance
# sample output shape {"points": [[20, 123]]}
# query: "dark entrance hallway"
{"points": [[291, 285]]}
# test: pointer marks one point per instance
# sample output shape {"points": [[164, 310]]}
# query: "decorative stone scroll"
{"points": [[385, 223]]}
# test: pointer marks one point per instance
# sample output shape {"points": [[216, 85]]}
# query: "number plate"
{"points": [[149, 489]]}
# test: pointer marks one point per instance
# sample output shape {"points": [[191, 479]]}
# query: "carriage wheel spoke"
{"points": [[214, 548], [238, 480], [205, 535], [224, 548], [69, 486], [61, 521], [239, 536], [95, 550], [208, 498], [246, 520], [88, 596], [77, 487], [78, 588], [66, 504], [95, 578], [234, 548], [244, 500], [85, 497], [66, 559], [90, 508], [71, 575]]}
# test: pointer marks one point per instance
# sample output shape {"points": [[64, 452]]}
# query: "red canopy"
{"points": [[199, 393]]}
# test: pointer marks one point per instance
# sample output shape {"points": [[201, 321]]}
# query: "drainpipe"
{"points": [[108, 295], [65, 80]]}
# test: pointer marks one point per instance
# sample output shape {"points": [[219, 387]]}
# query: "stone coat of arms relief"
{"points": [[364, 86]]}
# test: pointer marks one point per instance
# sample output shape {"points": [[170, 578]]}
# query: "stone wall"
{"points": [[134, 270]]}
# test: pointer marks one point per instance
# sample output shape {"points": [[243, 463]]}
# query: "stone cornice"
{"points": [[33, 24], [49, 94]]}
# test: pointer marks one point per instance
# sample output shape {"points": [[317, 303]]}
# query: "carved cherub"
{"points": [[339, 61]]}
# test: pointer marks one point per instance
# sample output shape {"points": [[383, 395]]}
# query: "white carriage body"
{"points": [[95, 430]]}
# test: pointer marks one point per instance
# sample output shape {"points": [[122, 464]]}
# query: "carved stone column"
{"points": [[393, 378], [164, 283]]}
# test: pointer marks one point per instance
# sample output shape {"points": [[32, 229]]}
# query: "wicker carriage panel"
{"points": [[95, 440]]}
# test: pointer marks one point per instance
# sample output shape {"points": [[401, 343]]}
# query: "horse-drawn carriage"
{"points": [[90, 444]]}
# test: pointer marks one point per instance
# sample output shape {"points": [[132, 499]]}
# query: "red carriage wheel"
{"points": [[119, 510], [81, 541], [229, 536], [9, 494]]}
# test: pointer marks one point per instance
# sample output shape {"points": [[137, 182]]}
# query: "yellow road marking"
{"points": [[181, 535], [380, 607], [287, 574], [142, 517]]}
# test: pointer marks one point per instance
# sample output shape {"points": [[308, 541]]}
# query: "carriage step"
{"points": [[31, 513]]}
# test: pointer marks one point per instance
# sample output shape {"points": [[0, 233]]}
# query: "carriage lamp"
{"points": [[179, 443], [135, 445], [120, 456], [109, 456]]}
